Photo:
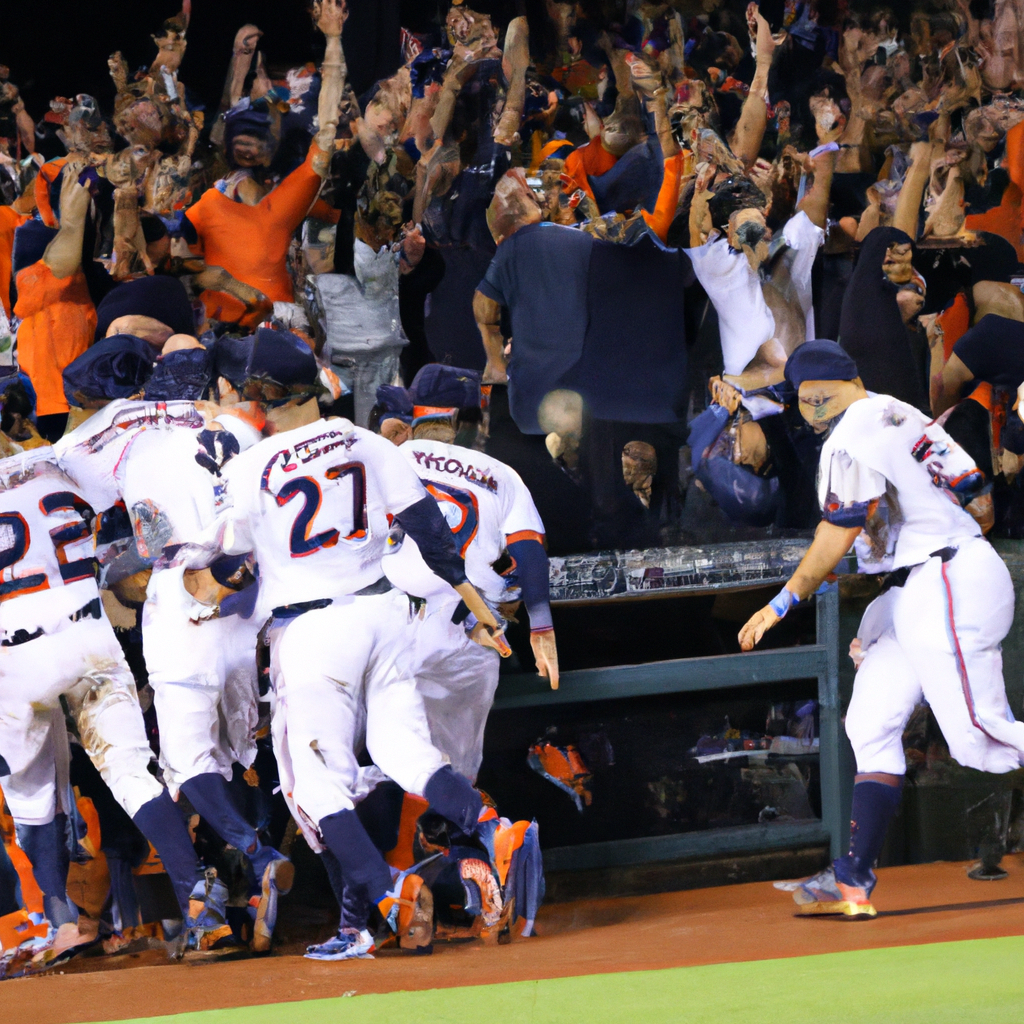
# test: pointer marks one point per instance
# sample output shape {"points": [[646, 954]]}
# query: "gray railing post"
{"points": [[828, 702]]}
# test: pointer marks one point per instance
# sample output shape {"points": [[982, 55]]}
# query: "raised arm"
{"points": [[662, 124], [514, 63], [64, 254], [246, 40], [746, 140], [330, 18], [908, 203], [815, 202]]}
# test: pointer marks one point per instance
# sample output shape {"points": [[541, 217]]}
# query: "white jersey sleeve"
{"points": [[521, 516]]}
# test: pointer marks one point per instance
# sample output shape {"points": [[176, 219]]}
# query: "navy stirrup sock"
{"points": [[874, 804], [162, 824], [211, 796], [362, 864], [46, 847], [453, 797]]}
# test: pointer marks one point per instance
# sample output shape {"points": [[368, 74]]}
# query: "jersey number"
{"points": [[69, 533], [15, 539], [466, 518], [301, 542]]}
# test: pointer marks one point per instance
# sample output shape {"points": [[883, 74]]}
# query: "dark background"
{"points": [[61, 48]]}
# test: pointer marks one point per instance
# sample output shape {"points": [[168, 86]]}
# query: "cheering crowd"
{"points": [[552, 265]]}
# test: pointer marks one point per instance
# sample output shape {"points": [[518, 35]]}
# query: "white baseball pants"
{"points": [[204, 679], [82, 661], [336, 672], [457, 679], [35, 793], [937, 638]]}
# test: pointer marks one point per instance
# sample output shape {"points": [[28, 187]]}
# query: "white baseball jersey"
{"points": [[170, 496], [313, 505], [47, 570], [885, 449], [92, 454], [484, 502]]}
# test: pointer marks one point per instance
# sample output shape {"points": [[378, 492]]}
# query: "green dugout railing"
{"points": [[621, 576]]}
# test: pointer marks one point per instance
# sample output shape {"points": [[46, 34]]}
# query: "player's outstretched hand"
{"points": [[546, 655], [758, 624], [487, 636]]}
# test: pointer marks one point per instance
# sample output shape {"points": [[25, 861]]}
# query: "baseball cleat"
{"points": [[207, 927], [278, 877], [825, 894], [348, 944]]}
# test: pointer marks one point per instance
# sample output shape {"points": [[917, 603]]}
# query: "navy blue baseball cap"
{"points": [[160, 297], [820, 360], [184, 375], [116, 367], [438, 391], [231, 358], [282, 357], [395, 403]]}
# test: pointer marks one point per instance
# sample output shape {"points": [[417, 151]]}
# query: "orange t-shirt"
{"points": [[10, 221], [955, 321], [592, 159], [1003, 220], [58, 322], [668, 197], [251, 242], [44, 179]]}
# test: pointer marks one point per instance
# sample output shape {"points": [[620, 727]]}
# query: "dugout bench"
{"points": [[678, 572]]}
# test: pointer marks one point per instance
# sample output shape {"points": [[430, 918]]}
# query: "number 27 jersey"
{"points": [[314, 505]]}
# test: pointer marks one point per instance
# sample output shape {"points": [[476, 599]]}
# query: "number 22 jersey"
{"points": [[314, 506], [47, 570]]}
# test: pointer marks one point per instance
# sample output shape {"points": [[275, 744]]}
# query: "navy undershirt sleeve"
{"points": [[425, 524], [532, 573]]}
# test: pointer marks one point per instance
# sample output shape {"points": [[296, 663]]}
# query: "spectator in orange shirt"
{"points": [[11, 218], [245, 224], [57, 314]]}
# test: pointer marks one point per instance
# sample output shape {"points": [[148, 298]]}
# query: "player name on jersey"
{"points": [[431, 462], [607, 574]]}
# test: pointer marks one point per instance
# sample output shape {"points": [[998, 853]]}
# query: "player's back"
{"points": [[929, 472], [47, 569], [92, 454], [313, 505], [168, 491], [483, 500]]}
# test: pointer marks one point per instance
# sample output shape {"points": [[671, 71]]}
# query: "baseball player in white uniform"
{"points": [[933, 634], [313, 504], [198, 628], [54, 641], [489, 510]]}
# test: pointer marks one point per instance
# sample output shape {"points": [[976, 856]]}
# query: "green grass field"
{"points": [[973, 982]]}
